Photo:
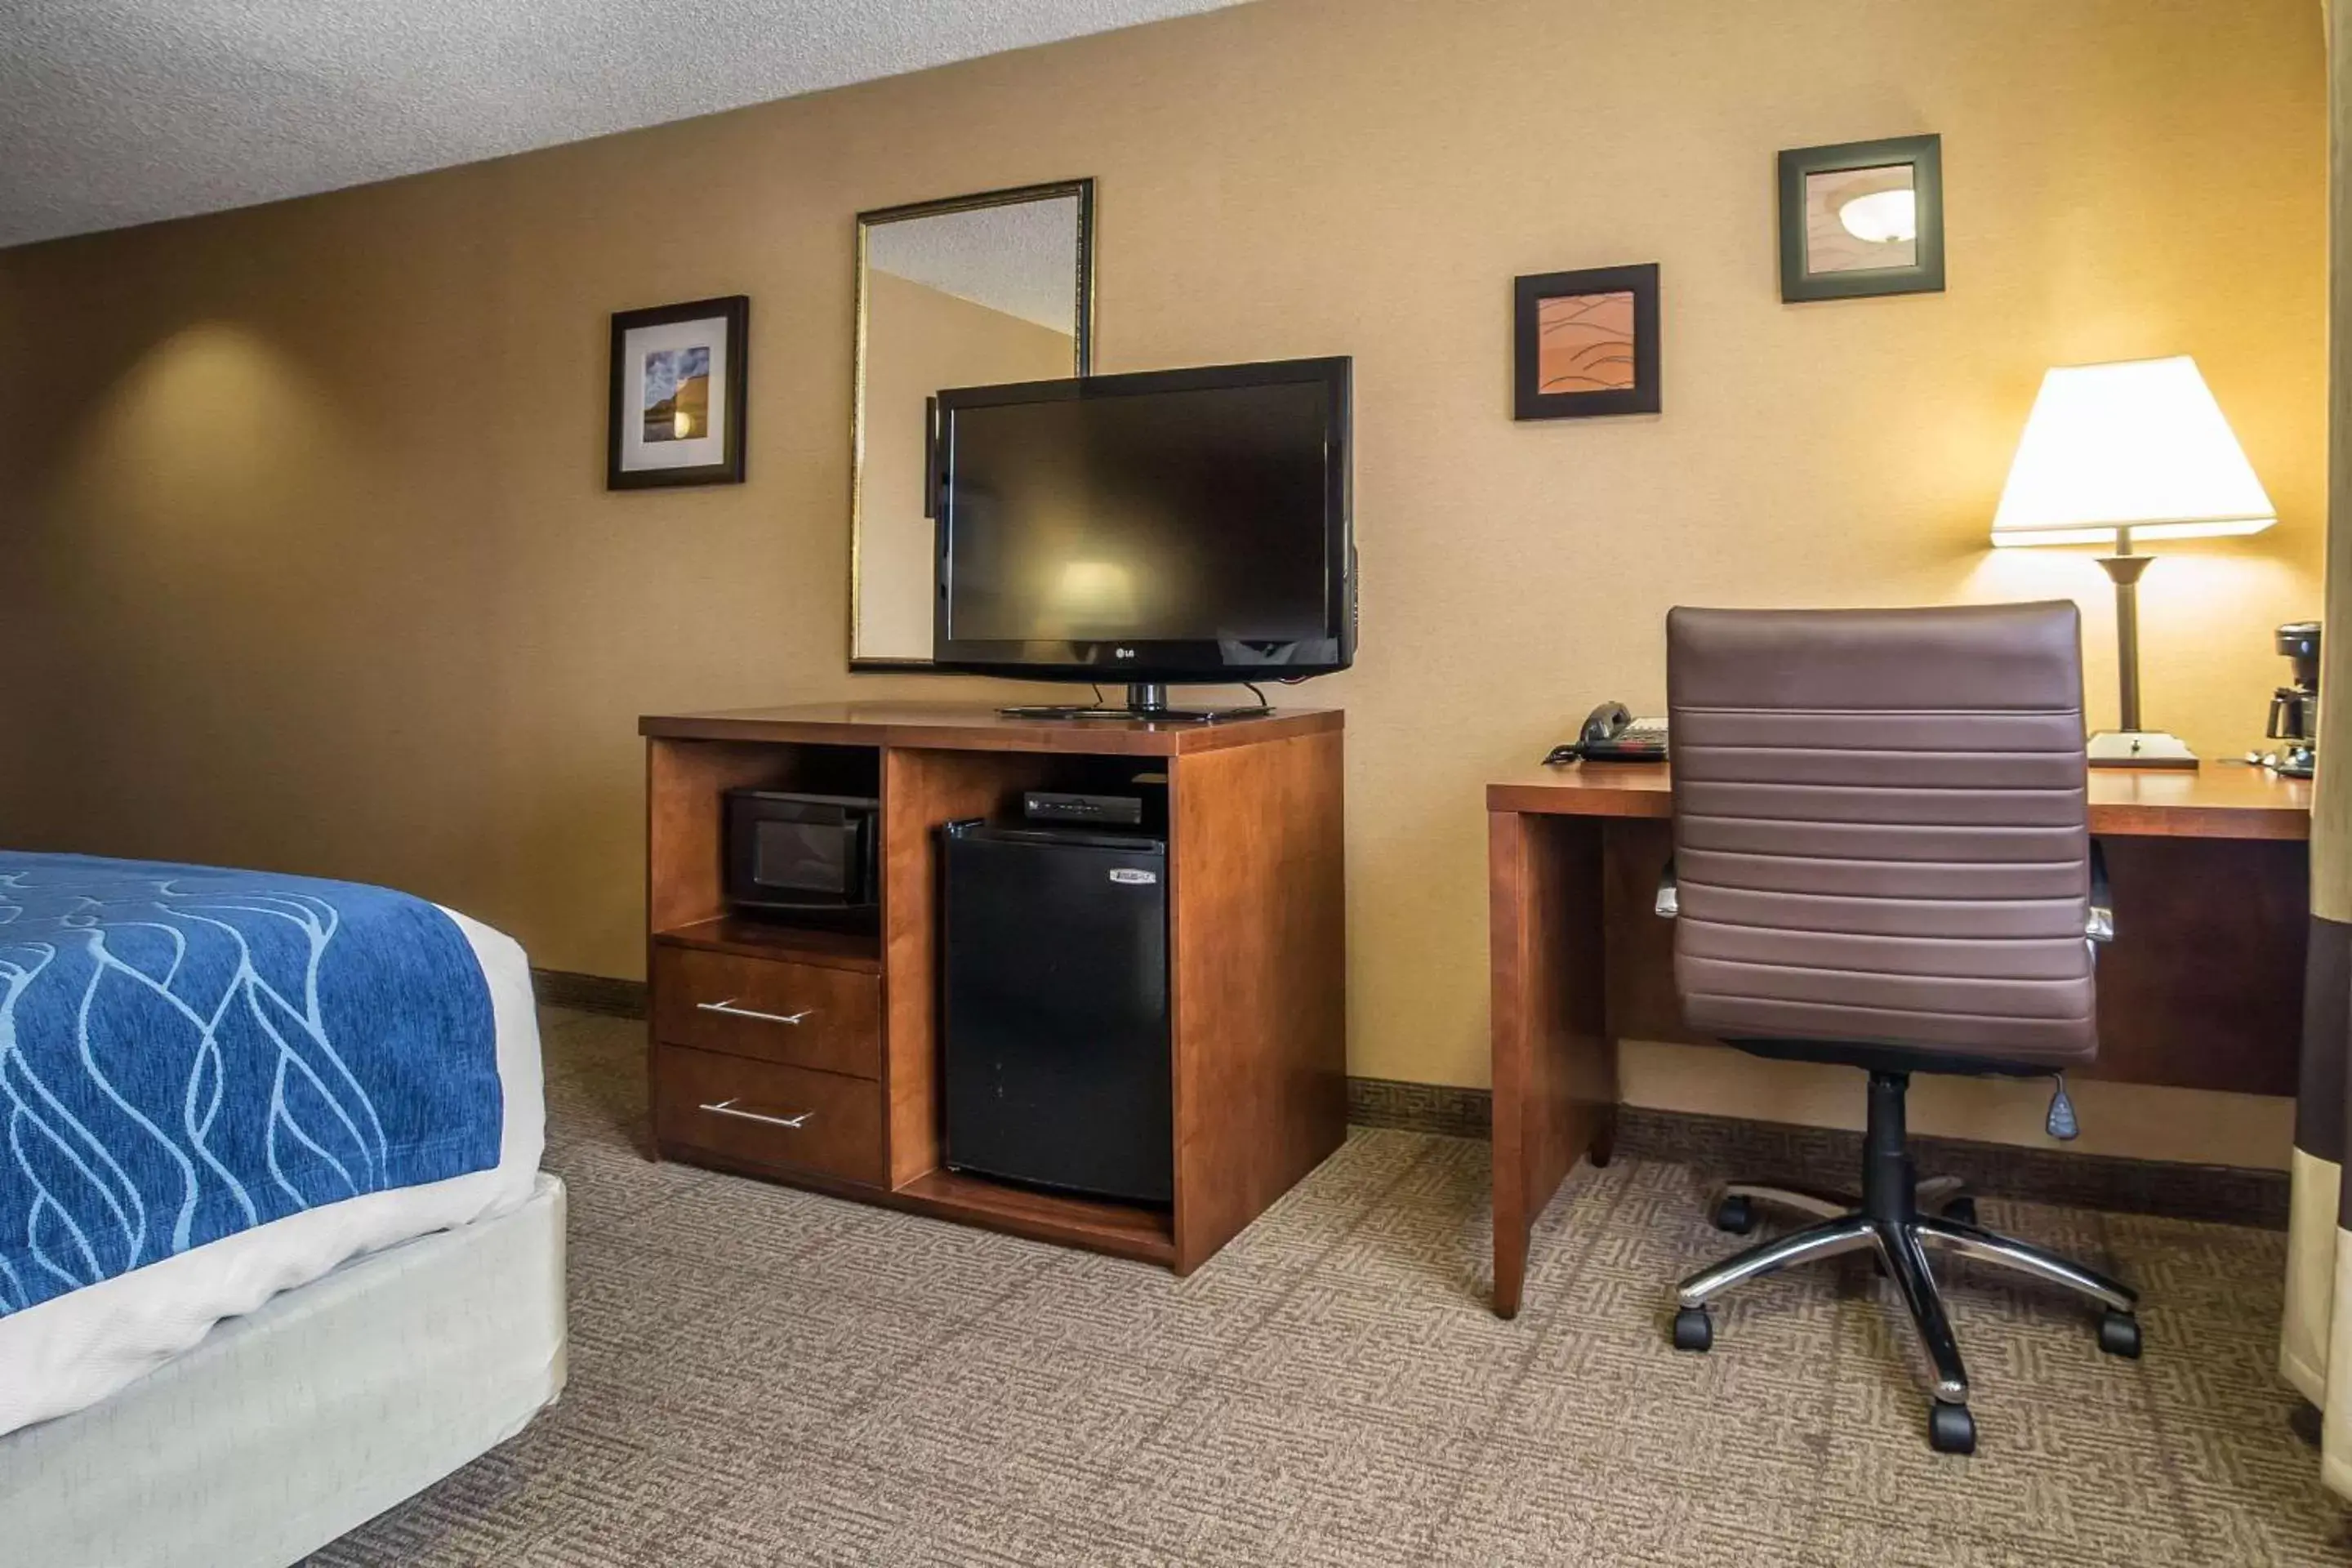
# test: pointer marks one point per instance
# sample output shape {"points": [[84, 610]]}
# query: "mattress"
{"points": [[62, 1354], [294, 1423]]}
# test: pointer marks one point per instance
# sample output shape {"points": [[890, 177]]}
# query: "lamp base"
{"points": [[2141, 749]]}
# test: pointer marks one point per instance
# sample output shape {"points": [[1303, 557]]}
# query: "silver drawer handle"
{"points": [[727, 1107], [732, 1011]]}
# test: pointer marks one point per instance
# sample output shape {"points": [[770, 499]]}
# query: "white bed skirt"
{"points": [[70, 1351], [286, 1427]]}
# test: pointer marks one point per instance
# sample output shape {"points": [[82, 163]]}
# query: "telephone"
{"points": [[1612, 734]]}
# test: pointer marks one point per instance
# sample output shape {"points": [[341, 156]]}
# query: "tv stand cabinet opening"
{"points": [[822, 1069]]}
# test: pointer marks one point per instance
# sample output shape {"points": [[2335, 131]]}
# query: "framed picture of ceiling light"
{"points": [[677, 402], [1586, 344], [1862, 218]]}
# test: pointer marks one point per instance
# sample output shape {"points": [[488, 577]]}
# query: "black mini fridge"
{"points": [[1054, 1009]]}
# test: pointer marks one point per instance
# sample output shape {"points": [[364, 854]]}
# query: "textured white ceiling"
{"points": [[122, 112], [1022, 259]]}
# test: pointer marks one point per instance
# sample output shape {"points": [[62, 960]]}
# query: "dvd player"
{"points": [[1101, 810]]}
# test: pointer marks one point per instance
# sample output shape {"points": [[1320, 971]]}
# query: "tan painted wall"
{"points": [[303, 508], [918, 340]]}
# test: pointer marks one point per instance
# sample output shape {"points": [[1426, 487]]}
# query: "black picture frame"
{"points": [[1530, 400], [1924, 276], [735, 311]]}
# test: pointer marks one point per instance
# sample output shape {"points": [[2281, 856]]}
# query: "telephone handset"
{"points": [[1612, 734]]}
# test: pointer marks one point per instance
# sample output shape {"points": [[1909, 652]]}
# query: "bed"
{"points": [[275, 1251]]}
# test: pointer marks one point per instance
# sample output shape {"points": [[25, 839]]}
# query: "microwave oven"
{"points": [[801, 852]]}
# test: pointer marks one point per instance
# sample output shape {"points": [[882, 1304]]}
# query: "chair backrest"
{"points": [[1882, 829]]}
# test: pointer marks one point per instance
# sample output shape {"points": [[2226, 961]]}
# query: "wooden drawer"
{"points": [[802, 1014], [770, 1115]]}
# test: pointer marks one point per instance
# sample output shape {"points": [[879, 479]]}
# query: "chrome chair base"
{"points": [[1901, 1222], [1736, 1201]]}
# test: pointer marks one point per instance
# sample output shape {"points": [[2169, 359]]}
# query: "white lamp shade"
{"points": [[2140, 445]]}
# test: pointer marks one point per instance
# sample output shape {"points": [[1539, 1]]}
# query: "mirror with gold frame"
{"points": [[970, 291]]}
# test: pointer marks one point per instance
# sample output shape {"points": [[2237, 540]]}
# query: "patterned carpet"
{"points": [[765, 1377]]}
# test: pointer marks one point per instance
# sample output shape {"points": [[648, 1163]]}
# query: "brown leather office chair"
{"points": [[1883, 860]]}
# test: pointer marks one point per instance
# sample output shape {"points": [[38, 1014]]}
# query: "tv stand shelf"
{"points": [[811, 1057]]}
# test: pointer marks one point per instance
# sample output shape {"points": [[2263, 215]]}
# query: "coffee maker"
{"points": [[2294, 710]]}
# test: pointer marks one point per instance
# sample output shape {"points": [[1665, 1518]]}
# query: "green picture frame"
{"points": [[1842, 206]]}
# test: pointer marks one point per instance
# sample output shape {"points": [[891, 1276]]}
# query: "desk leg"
{"points": [[1555, 1064]]}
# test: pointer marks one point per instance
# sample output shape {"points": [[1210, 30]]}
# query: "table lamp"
{"points": [[2125, 453]]}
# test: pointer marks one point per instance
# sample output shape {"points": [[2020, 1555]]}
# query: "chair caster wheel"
{"points": [[2119, 1334], [1737, 1215], [1961, 1211], [1693, 1330], [1951, 1429]]}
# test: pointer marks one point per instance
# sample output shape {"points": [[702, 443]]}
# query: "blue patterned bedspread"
{"points": [[186, 1053]]}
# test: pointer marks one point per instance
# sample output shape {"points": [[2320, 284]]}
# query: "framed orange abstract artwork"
{"points": [[1586, 344]]}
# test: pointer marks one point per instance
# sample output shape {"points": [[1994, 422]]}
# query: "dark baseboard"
{"points": [[588, 993], [1437, 1107], [1821, 1156], [1725, 1146], [1827, 1157]]}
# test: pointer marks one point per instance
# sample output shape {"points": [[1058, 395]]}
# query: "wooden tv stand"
{"points": [[847, 1100]]}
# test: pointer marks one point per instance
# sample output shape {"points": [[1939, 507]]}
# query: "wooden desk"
{"points": [[2201, 989]]}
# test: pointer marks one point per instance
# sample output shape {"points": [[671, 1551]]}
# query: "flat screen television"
{"points": [[1183, 525]]}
